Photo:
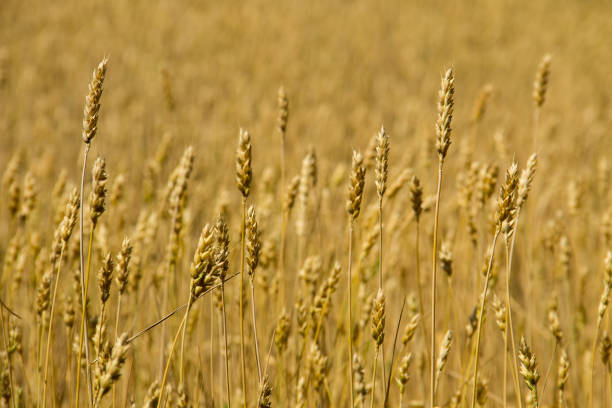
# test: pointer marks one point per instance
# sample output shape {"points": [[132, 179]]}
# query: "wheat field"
{"points": [[305, 204]]}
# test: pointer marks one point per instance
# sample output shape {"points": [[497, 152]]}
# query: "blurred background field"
{"points": [[193, 73]]}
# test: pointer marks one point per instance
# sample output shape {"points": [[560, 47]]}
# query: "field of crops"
{"points": [[305, 204]]}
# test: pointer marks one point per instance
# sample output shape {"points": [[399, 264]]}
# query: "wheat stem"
{"points": [[432, 359], [509, 326], [241, 305], [84, 331], [350, 300], [189, 303], [226, 354], [374, 377], [481, 314], [51, 313], [255, 331], [419, 287], [166, 369], [116, 334], [380, 281]]}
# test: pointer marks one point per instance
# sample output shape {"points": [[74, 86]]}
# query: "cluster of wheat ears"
{"points": [[311, 327]]}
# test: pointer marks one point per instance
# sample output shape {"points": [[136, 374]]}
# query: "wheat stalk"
{"points": [[90, 127], [353, 207], [443, 141]]}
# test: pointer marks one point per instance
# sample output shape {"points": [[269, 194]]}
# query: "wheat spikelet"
{"points": [[253, 242], [356, 184], [382, 162], [554, 324], [123, 265], [105, 277], [265, 398], [378, 318], [244, 173], [283, 330], [29, 196], [360, 385], [202, 270], [291, 194], [319, 366], [480, 104], [482, 392], [152, 398], [416, 197], [606, 348], [446, 259], [222, 240], [112, 369], [540, 84], [402, 376], [43, 295], [283, 111], [562, 376], [506, 204], [70, 216], [443, 355], [526, 180], [529, 369], [98, 191], [445, 114], [92, 102], [500, 313], [410, 329], [301, 394]]}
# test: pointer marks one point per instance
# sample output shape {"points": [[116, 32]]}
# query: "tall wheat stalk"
{"points": [[90, 127], [539, 94], [253, 246], [504, 222], [524, 186], [243, 179], [443, 142], [382, 169], [353, 207], [63, 233], [281, 122]]}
